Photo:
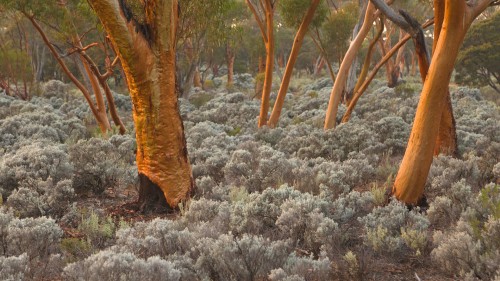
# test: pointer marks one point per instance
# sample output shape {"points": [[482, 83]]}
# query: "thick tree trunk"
{"points": [[446, 142], [340, 81], [148, 60], [297, 44], [414, 169]]}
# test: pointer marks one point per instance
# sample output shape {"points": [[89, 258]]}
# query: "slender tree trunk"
{"points": [[102, 80], [268, 76], [230, 56], [395, 70], [148, 60], [100, 105], [259, 82], [297, 44], [197, 78], [350, 83], [374, 72], [318, 66], [189, 79], [368, 59], [281, 60], [414, 169], [65, 69], [338, 86]]}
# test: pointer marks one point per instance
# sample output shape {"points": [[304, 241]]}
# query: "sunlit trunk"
{"points": [[340, 81], [268, 74], [297, 44], [149, 66], [368, 59], [414, 169], [446, 142]]}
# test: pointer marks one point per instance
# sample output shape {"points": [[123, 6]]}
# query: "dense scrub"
{"points": [[291, 203]]}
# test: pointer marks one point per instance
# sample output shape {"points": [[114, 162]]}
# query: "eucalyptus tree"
{"points": [[144, 36], [263, 12], [452, 20], [298, 14], [478, 60], [202, 25], [334, 35], [370, 14], [16, 72], [63, 21]]}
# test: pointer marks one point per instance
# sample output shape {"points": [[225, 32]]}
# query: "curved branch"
{"points": [[258, 19], [365, 85], [63, 65]]}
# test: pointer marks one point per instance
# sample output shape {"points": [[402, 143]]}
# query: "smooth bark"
{"points": [[297, 44], [368, 59], [374, 72], [340, 81], [412, 175], [266, 26]]}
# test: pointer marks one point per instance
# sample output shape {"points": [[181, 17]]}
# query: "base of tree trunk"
{"points": [[422, 203], [151, 197]]}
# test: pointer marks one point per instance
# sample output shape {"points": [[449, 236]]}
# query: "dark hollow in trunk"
{"points": [[151, 197]]}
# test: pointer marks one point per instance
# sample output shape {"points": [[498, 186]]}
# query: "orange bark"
{"points": [[148, 61], [368, 59], [101, 107], [412, 175], [446, 142], [297, 44], [385, 59], [338, 87]]}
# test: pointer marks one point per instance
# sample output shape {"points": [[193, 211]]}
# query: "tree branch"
{"points": [[258, 19]]}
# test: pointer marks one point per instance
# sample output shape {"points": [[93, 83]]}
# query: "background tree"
{"points": [[199, 22], [263, 12], [61, 18], [298, 14], [341, 78], [16, 72], [478, 60]]}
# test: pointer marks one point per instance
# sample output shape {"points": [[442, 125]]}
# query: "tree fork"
{"points": [[374, 72], [331, 114]]}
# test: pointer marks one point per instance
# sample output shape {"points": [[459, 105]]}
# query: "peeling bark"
{"points": [[149, 66]]}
